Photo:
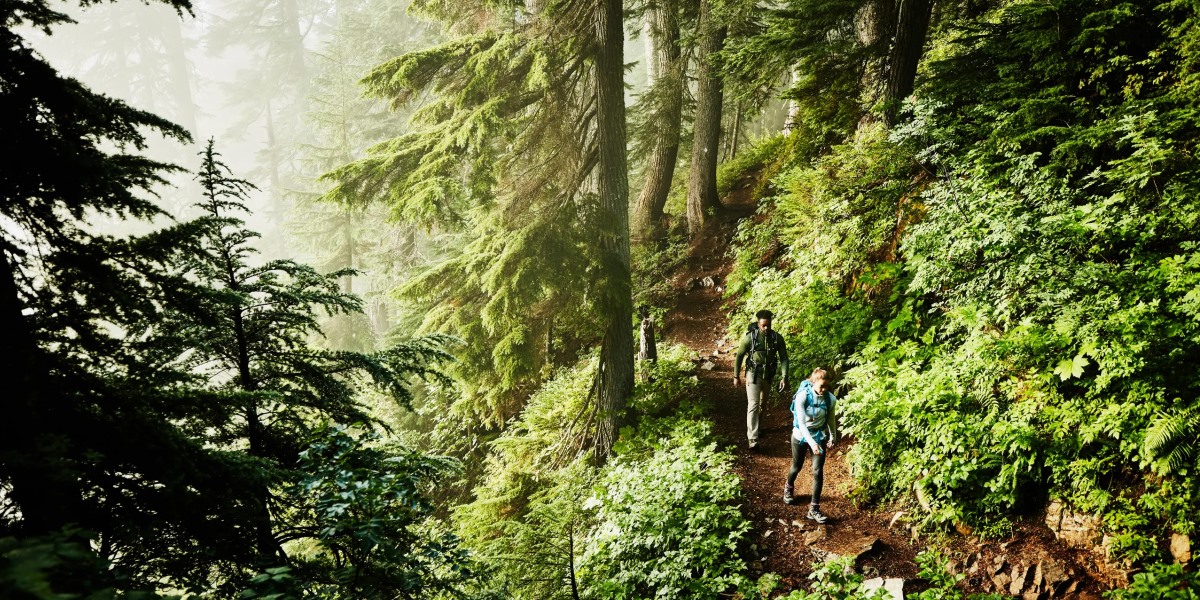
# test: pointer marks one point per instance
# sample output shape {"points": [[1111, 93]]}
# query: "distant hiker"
{"points": [[765, 354], [814, 428], [648, 349]]}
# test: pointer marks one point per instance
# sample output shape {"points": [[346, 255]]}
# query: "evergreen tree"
{"points": [[249, 332], [664, 118], [702, 199], [506, 151], [341, 123], [91, 447]]}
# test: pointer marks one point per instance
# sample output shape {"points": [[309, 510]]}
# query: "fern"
{"points": [[1170, 443]]}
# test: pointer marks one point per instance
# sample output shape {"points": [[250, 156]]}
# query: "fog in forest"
{"points": [[275, 83]]}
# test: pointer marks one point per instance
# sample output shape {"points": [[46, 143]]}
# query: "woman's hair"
{"points": [[817, 373]]}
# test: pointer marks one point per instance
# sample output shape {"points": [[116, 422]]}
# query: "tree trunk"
{"points": [[616, 354], [702, 179], [906, 54], [34, 441], [664, 32]]}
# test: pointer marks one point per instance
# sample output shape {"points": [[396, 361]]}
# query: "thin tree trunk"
{"points": [[616, 354], [906, 54], [702, 178], [181, 69], [667, 63]]}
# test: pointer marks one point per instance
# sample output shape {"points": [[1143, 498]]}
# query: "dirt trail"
{"points": [[700, 321], [782, 540]]}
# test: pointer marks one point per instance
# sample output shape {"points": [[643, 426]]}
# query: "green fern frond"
{"points": [[1171, 440]]}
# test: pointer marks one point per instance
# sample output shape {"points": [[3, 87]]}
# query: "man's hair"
{"points": [[764, 314]]}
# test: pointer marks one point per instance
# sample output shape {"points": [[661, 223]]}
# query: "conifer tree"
{"points": [[91, 450], [506, 151], [249, 331], [664, 118], [702, 199]]}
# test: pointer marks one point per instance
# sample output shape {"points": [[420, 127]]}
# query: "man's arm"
{"points": [[743, 348]]}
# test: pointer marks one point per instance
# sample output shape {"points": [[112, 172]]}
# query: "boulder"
{"points": [[1181, 548], [1078, 530], [1020, 574], [708, 365], [1001, 580], [893, 586]]}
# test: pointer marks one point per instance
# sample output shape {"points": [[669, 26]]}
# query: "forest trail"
{"points": [[781, 536], [782, 540]]}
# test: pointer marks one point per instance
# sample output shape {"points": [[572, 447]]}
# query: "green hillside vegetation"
{"points": [[1007, 279], [982, 216]]}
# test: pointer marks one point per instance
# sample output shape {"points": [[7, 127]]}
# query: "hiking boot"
{"points": [[788, 497], [815, 514]]}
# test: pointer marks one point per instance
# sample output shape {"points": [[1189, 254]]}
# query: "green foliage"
{"points": [[1010, 272], [367, 506], [662, 517], [668, 525], [58, 567], [935, 568], [1160, 581], [841, 218], [836, 580], [669, 384]]}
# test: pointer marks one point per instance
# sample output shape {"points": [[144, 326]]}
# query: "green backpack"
{"points": [[762, 362]]}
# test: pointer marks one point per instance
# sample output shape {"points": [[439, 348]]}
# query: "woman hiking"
{"points": [[813, 430]]}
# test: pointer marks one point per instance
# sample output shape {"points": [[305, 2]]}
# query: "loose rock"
{"points": [[816, 535], [1181, 548], [893, 586]]}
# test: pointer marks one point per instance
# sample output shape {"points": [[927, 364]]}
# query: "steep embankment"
{"points": [[784, 542]]}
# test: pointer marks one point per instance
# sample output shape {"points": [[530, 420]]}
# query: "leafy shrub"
{"points": [[1160, 582], [365, 510], [667, 524], [836, 580]]}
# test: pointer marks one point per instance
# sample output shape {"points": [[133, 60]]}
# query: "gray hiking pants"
{"points": [[756, 394], [799, 449]]}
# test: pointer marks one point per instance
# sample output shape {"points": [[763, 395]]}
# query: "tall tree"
{"points": [[504, 154], [616, 353], [249, 336], [911, 30], [664, 117], [92, 447], [340, 123], [702, 199]]}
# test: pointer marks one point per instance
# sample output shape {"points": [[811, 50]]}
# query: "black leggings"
{"points": [[799, 449]]}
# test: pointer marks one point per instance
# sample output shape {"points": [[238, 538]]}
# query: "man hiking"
{"points": [[766, 354]]}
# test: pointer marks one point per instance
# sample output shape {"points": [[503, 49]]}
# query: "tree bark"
{"points": [[34, 442], [663, 26], [616, 353], [911, 29], [702, 178]]}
